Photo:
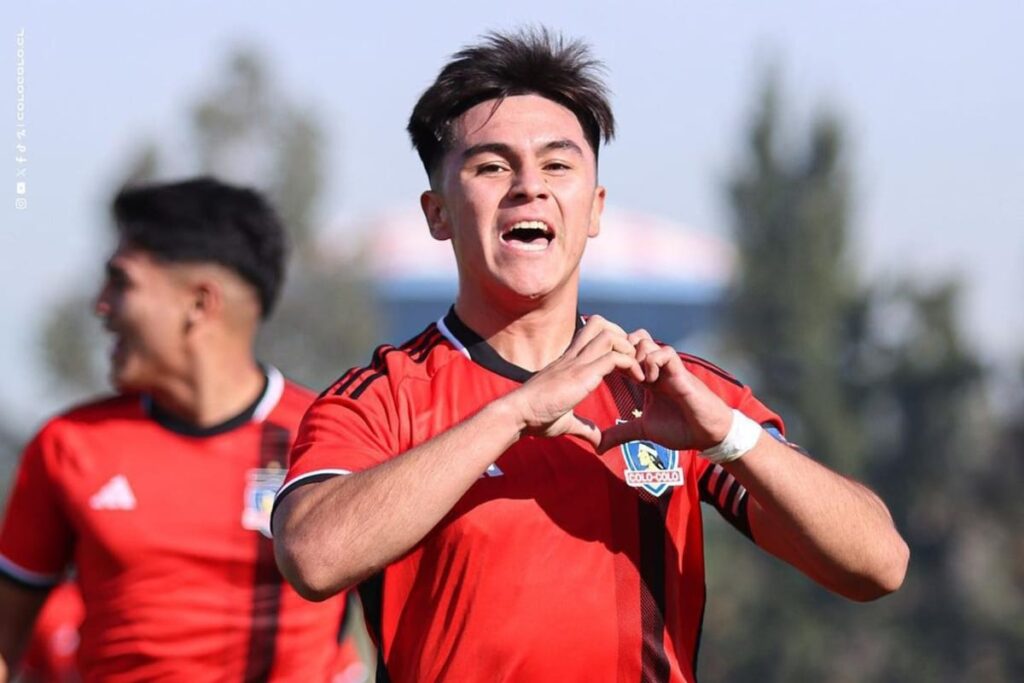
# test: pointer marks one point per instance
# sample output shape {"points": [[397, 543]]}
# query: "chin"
{"points": [[125, 381], [120, 384]]}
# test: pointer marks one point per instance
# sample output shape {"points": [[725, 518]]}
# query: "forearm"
{"points": [[20, 606], [333, 534], [832, 528]]}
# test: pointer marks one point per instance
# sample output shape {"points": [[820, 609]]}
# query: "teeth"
{"points": [[530, 225]]}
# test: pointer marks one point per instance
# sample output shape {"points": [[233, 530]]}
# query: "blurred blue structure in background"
{"points": [[641, 271]]}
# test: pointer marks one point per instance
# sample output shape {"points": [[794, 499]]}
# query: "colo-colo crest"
{"points": [[651, 467]]}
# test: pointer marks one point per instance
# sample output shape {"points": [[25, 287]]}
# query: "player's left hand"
{"points": [[680, 412]]}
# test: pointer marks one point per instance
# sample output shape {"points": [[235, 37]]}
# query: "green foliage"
{"points": [[73, 346], [793, 290], [246, 130], [325, 324], [879, 383]]}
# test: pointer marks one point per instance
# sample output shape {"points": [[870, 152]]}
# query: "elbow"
{"points": [[886, 576], [316, 556], [307, 570]]}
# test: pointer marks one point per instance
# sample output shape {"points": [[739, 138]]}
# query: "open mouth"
{"points": [[528, 235]]}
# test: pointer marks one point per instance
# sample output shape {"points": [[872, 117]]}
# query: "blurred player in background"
{"points": [[53, 647], [160, 496], [517, 490]]}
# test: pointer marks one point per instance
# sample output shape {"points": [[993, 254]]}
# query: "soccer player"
{"points": [[517, 489], [160, 496]]}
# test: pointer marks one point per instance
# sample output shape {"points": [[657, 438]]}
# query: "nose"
{"points": [[529, 183], [102, 305]]}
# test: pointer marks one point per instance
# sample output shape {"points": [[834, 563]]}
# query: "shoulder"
{"points": [[83, 423], [731, 390], [706, 370], [95, 414], [419, 358]]}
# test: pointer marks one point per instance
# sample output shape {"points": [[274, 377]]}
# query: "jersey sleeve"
{"points": [[346, 430], [36, 539], [717, 487]]}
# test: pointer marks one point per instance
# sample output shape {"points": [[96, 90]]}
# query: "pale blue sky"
{"points": [[931, 93]]}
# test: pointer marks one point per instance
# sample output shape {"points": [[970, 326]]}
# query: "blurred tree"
{"points": [[878, 383], [794, 302], [794, 286], [951, 488], [246, 130]]}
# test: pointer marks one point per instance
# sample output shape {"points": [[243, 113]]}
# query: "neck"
{"points": [[217, 386], [530, 335]]}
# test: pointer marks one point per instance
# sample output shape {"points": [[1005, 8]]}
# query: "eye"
{"points": [[558, 167], [117, 279], [491, 168]]}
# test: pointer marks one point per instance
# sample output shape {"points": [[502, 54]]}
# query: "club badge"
{"points": [[260, 488], [651, 467]]}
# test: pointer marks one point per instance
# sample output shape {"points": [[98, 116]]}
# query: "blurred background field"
{"points": [[828, 200]]}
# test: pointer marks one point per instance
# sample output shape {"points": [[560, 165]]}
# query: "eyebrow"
{"points": [[502, 149], [115, 270]]}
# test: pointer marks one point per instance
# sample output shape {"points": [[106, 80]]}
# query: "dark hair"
{"points": [[529, 61], [206, 221]]}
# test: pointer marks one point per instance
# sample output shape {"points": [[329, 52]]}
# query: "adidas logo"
{"points": [[116, 494], [492, 471]]}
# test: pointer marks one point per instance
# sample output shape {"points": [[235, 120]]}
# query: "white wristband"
{"points": [[743, 435]]}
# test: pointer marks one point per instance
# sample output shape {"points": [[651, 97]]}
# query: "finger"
{"points": [[637, 336], [658, 362], [604, 324], [584, 429], [612, 361], [604, 342], [620, 433], [594, 326], [645, 347]]}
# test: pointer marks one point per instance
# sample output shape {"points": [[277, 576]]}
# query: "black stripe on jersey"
{"points": [[651, 518], [426, 339], [337, 386], [710, 492], [700, 630], [371, 594], [707, 365], [267, 581], [375, 362], [652, 536], [417, 355], [343, 383]]}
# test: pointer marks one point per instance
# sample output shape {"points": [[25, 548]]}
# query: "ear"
{"points": [[432, 204], [206, 301], [596, 209]]}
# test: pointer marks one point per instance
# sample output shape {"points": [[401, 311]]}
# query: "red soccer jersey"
{"points": [[558, 564], [167, 527]]}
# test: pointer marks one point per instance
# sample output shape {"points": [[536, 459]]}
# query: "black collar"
{"points": [[483, 354], [185, 428]]}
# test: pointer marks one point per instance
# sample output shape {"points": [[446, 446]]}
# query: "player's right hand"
{"points": [[545, 403]]}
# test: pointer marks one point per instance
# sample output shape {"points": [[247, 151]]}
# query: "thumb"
{"points": [[620, 433], [584, 429]]}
